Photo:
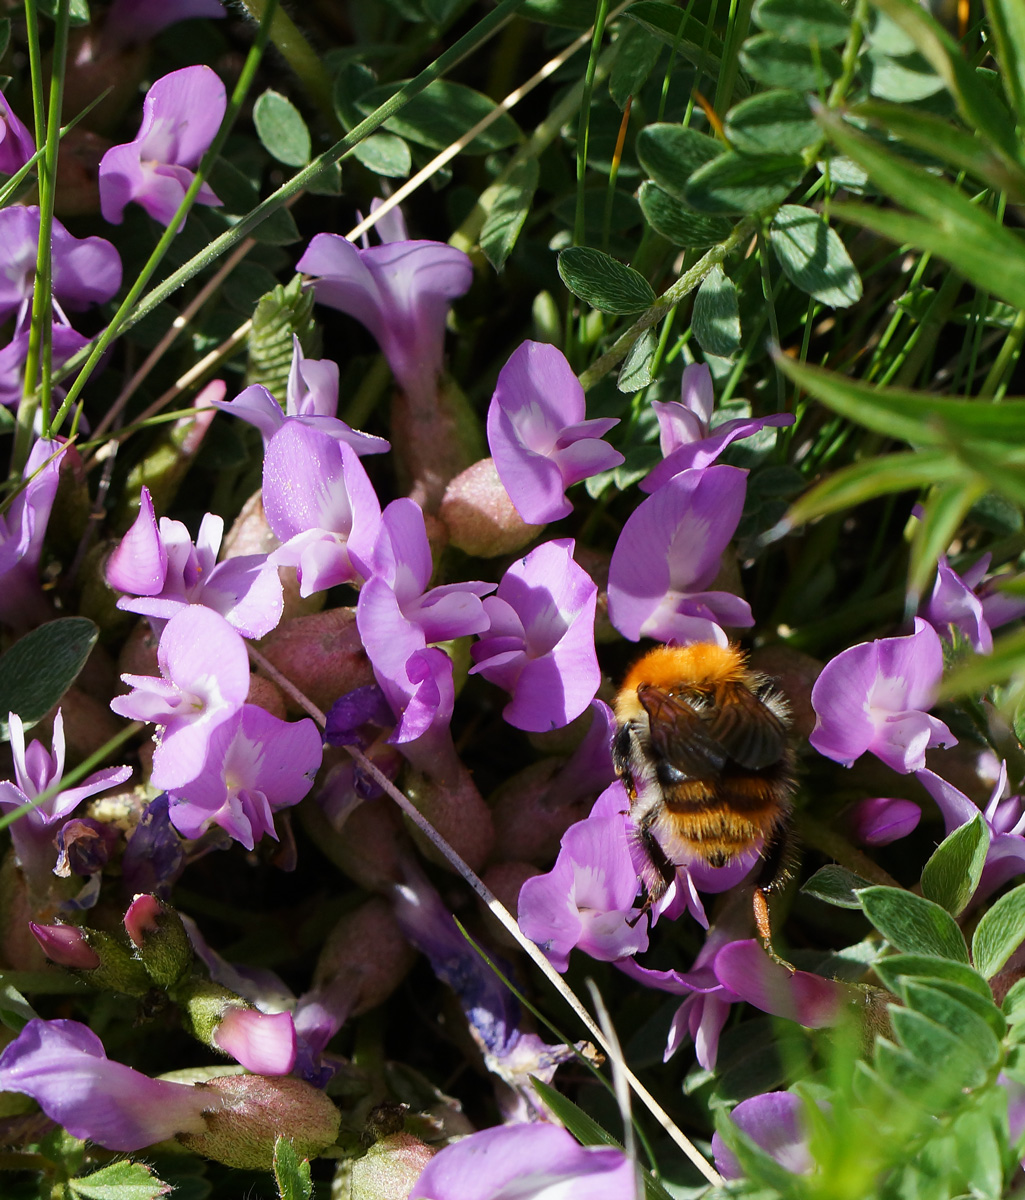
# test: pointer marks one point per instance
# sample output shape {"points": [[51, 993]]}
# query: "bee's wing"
{"points": [[679, 734], [751, 734]]}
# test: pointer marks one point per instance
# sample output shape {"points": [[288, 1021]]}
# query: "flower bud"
{"points": [[163, 944], [66, 946], [367, 848], [389, 1168], [256, 1112], [366, 955], [118, 970], [481, 518], [322, 654], [457, 811], [268, 696]]}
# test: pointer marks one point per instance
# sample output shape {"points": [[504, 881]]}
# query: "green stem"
{"points": [[124, 319], [584, 125], [672, 296], [1005, 358], [727, 80], [288, 39]]}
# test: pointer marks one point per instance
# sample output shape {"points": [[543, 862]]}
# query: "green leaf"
{"points": [[636, 54], [508, 213], [1014, 1003], [970, 1030], [679, 224], [120, 1181], [671, 26], [1007, 27], [40, 667], [813, 257], [894, 969], [984, 670], [835, 885], [742, 183], [672, 153], [570, 14], [985, 1010], [15, 1010], [605, 283], [385, 154], [937, 1047], [903, 80], [1000, 932], [635, 373], [587, 1131], [716, 316], [913, 924], [781, 64], [805, 21], [947, 223], [277, 229], [282, 312], [441, 114], [5, 35], [900, 1070], [776, 122], [78, 11], [281, 129], [291, 1172], [952, 874]]}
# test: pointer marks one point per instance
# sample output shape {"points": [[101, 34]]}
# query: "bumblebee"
{"points": [[704, 751]]}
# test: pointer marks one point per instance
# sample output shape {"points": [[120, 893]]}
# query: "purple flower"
{"points": [[312, 398], [154, 857], [540, 643], [36, 770], [321, 504], [668, 553], [529, 1162], [880, 820], [684, 437], [810, 1000], [204, 669], [17, 145], [398, 620], [22, 530], [63, 1067], [131, 21], [163, 572], [256, 765], [86, 271], [776, 1122], [1005, 820], [264, 1043], [874, 696], [65, 342], [968, 604], [180, 116], [401, 291], [538, 436], [587, 899]]}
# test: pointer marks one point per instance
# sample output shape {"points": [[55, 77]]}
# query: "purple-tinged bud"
{"points": [[794, 672], [365, 956], [263, 1043], [322, 654], [389, 1168], [368, 847], [158, 932], [268, 696], [457, 811], [880, 820], [529, 818], [256, 1112], [66, 946], [139, 653], [481, 518]]}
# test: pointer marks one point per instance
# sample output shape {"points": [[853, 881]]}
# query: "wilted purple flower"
{"points": [[776, 1122], [492, 1011], [398, 620], [131, 21], [587, 899], [22, 530], [1005, 820], [153, 857], [86, 271], [181, 114], [35, 770], [668, 553], [968, 604], [539, 646], [538, 436], [163, 572], [312, 398], [63, 1067], [204, 681], [874, 696], [401, 291], [256, 765], [17, 145], [321, 504], [880, 820], [684, 428], [530, 1162]]}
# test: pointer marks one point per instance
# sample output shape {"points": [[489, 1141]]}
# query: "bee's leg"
{"points": [[773, 873], [659, 872]]}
